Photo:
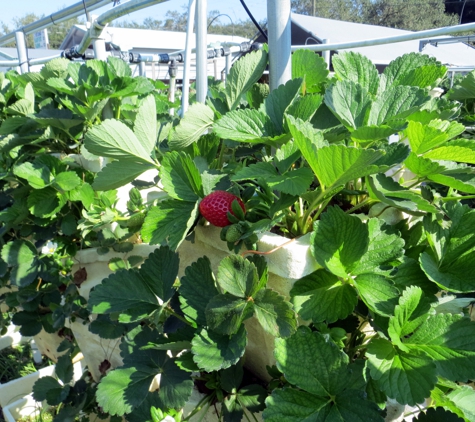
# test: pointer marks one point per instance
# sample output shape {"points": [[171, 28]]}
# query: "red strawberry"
{"points": [[215, 206]]}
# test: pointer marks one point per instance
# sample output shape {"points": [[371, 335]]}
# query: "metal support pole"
{"points": [[201, 51], [99, 46], [98, 42], [187, 62], [228, 64], [171, 93], [142, 69], [326, 53], [278, 22], [22, 53]]}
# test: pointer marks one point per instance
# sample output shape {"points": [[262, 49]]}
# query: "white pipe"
{"points": [[388, 40], [326, 53], [43, 60], [21, 50], [186, 69], [124, 9], [201, 51], [73, 11], [278, 24], [98, 25]]}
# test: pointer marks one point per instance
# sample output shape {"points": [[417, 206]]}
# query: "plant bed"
{"points": [[353, 320]]}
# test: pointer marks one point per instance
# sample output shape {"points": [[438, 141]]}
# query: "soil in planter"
{"points": [[43, 416], [16, 362]]}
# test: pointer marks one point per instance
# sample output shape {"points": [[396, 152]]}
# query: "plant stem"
{"points": [[268, 252], [206, 400], [364, 202], [456, 198], [323, 205], [172, 312]]}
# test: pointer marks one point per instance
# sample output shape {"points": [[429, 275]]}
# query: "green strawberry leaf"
{"points": [[385, 189], [421, 166], [405, 71], [322, 296], [180, 177], [425, 137], [114, 139], [338, 241], [357, 68], [238, 276], [23, 257], [213, 351], [123, 389], [459, 150], [118, 173], [465, 90], [396, 102], [66, 181], [292, 405], [377, 292], [449, 341], [169, 221], [383, 248], [225, 313], [279, 100], [350, 103], [335, 165], [274, 313], [294, 182], [137, 293], [243, 75], [145, 124], [245, 125], [449, 265], [407, 377], [197, 288], [37, 175], [196, 121], [311, 68], [409, 314], [312, 363]]}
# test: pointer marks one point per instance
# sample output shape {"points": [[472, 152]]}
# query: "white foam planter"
{"points": [[290, 262], [25, 407], [287, 264], [12, 337], [48, 344], [19, 388], [6, 289]]}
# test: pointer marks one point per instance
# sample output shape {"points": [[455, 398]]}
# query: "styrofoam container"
{"points": [[19, 388]]}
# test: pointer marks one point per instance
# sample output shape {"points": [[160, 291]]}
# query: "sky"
{"points": [[11, 9]]}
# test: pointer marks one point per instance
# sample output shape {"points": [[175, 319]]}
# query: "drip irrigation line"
{"points": [[253, 20], [85, 10]]}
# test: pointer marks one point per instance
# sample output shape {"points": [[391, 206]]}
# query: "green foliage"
{"points": [[378, 173]]}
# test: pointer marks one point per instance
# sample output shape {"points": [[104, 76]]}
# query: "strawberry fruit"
{"points": [[215, 207]]}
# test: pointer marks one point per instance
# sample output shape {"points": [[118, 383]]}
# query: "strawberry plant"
{"points": [[367, 173]]}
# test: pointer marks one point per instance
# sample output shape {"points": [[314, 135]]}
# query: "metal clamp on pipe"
{"points": [[163, 58], [134, 58], [226, 51], [72, 53], [245, 47], [172, 68]]}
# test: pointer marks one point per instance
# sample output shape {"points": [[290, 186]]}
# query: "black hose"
{"points": [[253, 20]]}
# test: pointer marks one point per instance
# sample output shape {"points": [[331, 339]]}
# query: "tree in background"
{"points": [[464, 8], [412, 15], [176, 21], [173, 21], [56, 33]]}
